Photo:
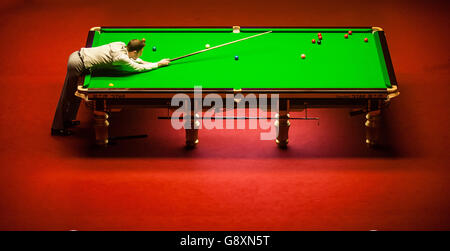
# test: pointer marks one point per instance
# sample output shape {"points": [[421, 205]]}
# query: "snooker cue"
{"points": [[218, 46]]}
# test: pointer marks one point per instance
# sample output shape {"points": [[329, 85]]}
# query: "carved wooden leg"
{"points": [[101, 127], [372, 127], [192, 125], [282, 123]]}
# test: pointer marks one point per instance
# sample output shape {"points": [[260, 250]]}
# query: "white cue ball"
{"points": [[207, 46]]}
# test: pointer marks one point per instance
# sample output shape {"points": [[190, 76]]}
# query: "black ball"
{"points": [[319, 41]]}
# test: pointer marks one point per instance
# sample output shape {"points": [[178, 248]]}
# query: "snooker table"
{"points": [[349, 71]]}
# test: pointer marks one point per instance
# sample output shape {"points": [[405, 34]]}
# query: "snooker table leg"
{"points": [[192, 125], [372, 127], [101, 127], [282, 123]]}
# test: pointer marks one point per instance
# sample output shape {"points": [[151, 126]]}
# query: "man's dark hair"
{"points": [[136, 44]]}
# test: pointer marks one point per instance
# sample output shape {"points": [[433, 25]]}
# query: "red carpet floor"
{"points": [[326, 180]]}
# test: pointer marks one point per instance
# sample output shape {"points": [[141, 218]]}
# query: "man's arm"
{"points": [[124, 63], [140, 61], [162, 62]]}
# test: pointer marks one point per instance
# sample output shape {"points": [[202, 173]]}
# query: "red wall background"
{"points": [[326, 180]]}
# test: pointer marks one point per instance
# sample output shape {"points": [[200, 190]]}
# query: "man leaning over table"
{"points": [[116, 56]]}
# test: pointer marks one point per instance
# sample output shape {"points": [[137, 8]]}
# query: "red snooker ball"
{"points": [[346, 35], [319, 34], [313, 41], [349, 32], [320, 37], [366, 40]]}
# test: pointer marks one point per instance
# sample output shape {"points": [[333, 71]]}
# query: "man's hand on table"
{"points": [[163, 62]]}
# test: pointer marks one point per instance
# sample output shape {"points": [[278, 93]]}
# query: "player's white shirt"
{"points": [[114, 56]]}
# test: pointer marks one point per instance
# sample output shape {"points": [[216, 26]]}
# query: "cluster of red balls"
{"points": [[346, 36], [319, 40]]}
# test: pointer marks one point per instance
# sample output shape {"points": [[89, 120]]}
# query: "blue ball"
{"points": [[154, 48], [236, 57]]}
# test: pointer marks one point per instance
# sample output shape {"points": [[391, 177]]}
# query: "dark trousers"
{"points": [[68, 104]]}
